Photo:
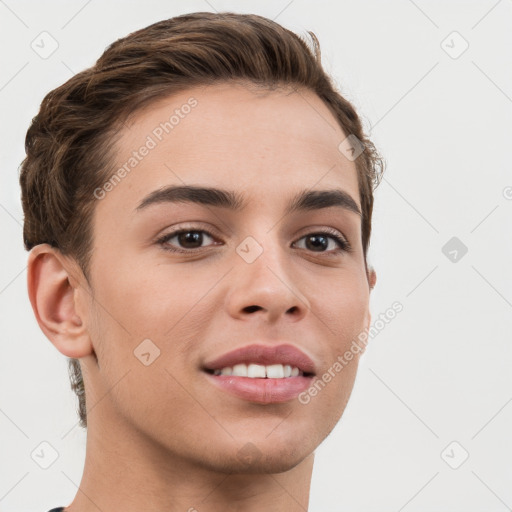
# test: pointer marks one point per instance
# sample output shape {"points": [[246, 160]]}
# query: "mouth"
{"points": [[261, 373]]}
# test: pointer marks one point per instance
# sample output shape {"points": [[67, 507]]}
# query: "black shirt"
{"points": [[58, 509]]}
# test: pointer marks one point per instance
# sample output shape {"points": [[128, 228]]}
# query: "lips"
{"points": [[264, 355], [262, 390]]}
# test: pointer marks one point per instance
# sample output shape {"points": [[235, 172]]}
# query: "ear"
{"points": [[53, 287]]}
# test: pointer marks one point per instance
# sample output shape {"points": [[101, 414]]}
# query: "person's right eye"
{"points": [[190, 240]]}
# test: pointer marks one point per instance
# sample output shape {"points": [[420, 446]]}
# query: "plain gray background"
{"points": [[435, 385]]}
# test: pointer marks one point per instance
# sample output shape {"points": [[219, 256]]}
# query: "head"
{"points": [[226, 101]]}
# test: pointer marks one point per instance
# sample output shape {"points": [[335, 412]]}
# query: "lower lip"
{"points": [[262, 391]]}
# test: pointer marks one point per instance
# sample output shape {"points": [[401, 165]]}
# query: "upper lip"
{"points": [[264, 355]]}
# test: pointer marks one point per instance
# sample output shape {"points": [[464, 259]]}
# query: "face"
{"points": [[182, 279]]}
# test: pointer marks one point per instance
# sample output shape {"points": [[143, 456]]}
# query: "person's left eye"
{"points": [[320, 240], [193, 239]]}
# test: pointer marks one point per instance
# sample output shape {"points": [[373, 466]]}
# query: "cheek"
{"points": [[152, 302], [172, 307], [344, 308]]}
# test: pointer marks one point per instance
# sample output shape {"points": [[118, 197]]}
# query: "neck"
{"points": [[126, 471]]}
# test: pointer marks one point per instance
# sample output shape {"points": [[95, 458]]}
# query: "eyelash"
{"points": [[343, 244]]}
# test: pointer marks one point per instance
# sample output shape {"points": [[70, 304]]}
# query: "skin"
{"points": [[161, 437]]}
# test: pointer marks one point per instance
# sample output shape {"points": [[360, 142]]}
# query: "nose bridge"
{"points": [[264, 280], [261, 251]]}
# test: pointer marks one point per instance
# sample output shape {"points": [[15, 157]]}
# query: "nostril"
{"points": [[251, 309]]}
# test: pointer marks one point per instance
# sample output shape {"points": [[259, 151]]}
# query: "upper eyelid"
{"points": [[212, 232], [185, 229]]}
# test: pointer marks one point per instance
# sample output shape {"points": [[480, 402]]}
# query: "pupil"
{"points": [[314, 240], [194, 238]]}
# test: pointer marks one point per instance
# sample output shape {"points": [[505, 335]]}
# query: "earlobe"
{"points": [[372, 277], [54, 301]]}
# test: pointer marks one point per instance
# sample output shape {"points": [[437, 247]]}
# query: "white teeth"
{"points": [[254, 371], [239, 370], [275, 371]]}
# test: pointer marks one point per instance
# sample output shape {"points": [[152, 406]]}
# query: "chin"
{"points": [[253, 457]]}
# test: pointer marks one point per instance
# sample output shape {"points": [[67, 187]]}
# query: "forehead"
{"points": [[233, 137]]}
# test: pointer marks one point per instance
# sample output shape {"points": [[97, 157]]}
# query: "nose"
{"points": [[266, 288]]}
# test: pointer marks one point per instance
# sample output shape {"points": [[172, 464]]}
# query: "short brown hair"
{"points": [[68, 145]]}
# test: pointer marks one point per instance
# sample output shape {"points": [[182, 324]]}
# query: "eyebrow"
{"points": [[303, 201]]}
